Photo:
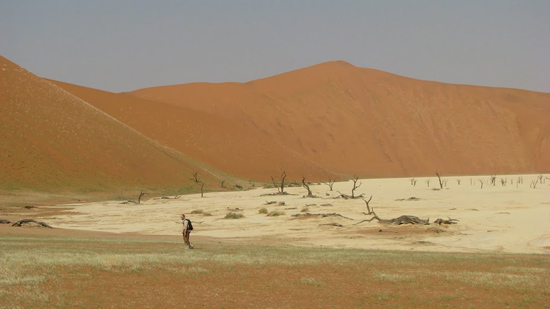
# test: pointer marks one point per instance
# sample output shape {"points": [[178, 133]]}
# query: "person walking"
{"points": [[187, 228]]}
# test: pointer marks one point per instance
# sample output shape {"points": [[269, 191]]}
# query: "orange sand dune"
{"points": [[361, 121], [53, 140], [222, 143], [325, 120]]}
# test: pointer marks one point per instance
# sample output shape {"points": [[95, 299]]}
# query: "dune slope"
{"points": [[53, 140], [326, 121], [353, 120], [222, 143]]}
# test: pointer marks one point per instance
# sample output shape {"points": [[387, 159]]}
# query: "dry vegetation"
{"points": [[42, 267], [78, 272]]}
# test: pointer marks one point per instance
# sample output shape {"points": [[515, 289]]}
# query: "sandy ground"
{"points": [[513, 218]]}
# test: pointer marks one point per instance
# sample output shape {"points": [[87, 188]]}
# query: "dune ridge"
{"points": [[53, 140], [375, 124], [331, 120]]}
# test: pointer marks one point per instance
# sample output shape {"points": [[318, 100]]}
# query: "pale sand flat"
{"points": [[513, 218]]}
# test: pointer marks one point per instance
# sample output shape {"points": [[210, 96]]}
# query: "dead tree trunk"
{"points": [[202, 189], [196, 177], [141, 194], [306, 186], [405, 219], [330, 183], [355, 187], [368, 206], [280, 187], [440, 181], [442, 221], [283, 177], [25, 221]]}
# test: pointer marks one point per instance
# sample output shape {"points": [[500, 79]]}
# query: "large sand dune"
{"points": [[53, 140], [511, 218], [225, 144], [331, 120], [367, 122]]}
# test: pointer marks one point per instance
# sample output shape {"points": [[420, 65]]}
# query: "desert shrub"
{"points": [[305, 209], [200, 212], [234, 215], [275, 213], [262, 211]]}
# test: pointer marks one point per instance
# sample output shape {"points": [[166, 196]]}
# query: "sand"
{"points": [[511, 219]]}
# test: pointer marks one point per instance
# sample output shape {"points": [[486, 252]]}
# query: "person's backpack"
{"points": [[189, 225]]}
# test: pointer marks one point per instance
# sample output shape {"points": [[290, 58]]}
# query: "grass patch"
{"points": [[234, 215], [310, 281], [114, 272], [276, 213], [393, 277], [200, 212], [262, 211]]}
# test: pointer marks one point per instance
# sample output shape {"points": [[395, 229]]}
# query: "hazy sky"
{"points": [[123, 45]]}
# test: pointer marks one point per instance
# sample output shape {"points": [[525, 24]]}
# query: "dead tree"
{"points": [[281, 187], [25, 221], [442, 221], [493, 179], [368, 206], [428, 182], [141, 194], [405, 219], [355, 186], [202, 189], [480, 183], [413, 182], [307, 214], [440, 181], [222, 184], [306, 186], [196, 177], [330, 183]]}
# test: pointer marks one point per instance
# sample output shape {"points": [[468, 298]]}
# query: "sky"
{"points": [[125, 45]]}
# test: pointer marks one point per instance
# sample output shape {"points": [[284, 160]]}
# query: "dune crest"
{"points": [[353, 120], [332, 120], [54, 140]]}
